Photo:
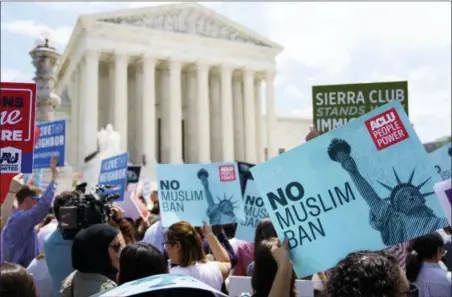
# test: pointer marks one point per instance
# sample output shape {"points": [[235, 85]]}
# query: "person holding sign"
{"points": [[19, 241], [184, 247]]}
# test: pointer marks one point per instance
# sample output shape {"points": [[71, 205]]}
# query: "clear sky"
{"points": [[325, 43]]}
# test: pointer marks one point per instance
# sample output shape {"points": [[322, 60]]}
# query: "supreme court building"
{"points": [[179, 82]]}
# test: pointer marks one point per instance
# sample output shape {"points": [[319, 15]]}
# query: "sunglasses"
{"points": [[35, 197]]}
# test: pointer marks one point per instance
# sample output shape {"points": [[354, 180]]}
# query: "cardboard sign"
{"points": [[254, 212], [442, 160], [17, 122], [52, 142], [199, 192], [364, 186], [336, 105], [113, 172], [444, 192]]}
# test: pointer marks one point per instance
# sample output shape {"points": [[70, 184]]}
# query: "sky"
{"points": [[325, 43]]}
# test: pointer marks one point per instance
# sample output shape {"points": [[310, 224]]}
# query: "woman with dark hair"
{"points": [[95, 258], [15, 281], [273, 275], [264, 230], [367, 274], [140, 260], [184, 247], [424, 267]]}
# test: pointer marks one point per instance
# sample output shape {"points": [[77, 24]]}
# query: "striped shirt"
{"points": [[399, 251]]}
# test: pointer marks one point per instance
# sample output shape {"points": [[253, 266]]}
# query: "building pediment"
{"points": [[186, 18]]}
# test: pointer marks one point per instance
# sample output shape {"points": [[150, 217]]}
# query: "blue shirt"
{"points": [[19, 242], [58, 256], [434, 281]]}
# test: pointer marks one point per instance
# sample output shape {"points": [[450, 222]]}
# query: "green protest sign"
{"points": [[336, 105]]}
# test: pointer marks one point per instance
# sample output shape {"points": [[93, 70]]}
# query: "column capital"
{"points": [[121, 56], [249, 72], [92, 53], [201, 65], [175, 64]]}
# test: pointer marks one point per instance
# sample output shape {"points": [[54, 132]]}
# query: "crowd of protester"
{"points": [[36, 261]]}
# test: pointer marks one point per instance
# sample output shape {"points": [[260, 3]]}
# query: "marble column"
{"points": [[250, 117], [215, 118], [74, 136], [164, 107], [227, 121], [239, 134], [148, 114], [89, 115], [175, 114], [259, 120], [120, 98], [203, 113], [270, 114], [192, 134]]}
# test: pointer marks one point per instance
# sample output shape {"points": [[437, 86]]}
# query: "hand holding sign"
{"points": [[281, 254]]}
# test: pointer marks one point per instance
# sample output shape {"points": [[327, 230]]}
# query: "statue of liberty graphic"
{"points": [[219, 213], [400, 217]]}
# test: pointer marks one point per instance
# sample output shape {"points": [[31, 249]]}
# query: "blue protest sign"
{"points": [[161, 282], [254, 212], [364, 186], [113, 172], [51, 142], [199, 192], [442, 160]]}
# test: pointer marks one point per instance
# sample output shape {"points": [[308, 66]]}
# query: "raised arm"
{"points": [[281, 286], [41, 209], [7, 205], [218, 251]]}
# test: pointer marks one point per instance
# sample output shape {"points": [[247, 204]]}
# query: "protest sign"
{"points": [[442, 160], [199, 192], [364, 186], [444, 192], [17, 122], [254, 212], [133, 174], [160, 282], [52, 142], [336, 105], [113, 171]]}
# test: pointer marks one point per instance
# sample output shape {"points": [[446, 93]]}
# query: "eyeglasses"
{"points": [[35, 197], [166, 243]]}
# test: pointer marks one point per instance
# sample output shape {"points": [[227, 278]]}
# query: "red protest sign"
{"points": [[17, 127]]}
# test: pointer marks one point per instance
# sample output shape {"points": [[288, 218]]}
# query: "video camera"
{"points": [[86, 209]]}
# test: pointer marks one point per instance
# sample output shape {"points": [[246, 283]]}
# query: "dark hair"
{"points": [[25, 192], [62, 200], [90, 250], [15, 281], [422, 248], [140, 260], [265, 268], [365, 274], [190, 240], [229, 230], [177, 292], [264, 230]]}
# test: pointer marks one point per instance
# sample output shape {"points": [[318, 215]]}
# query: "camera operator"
{"points": [[57, 250], [19, 241]]}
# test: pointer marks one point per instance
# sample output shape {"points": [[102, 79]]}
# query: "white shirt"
{"points": [[155, 235], [208, 273], [434, 281], [234, 244], [40, 273], [44, 233]]}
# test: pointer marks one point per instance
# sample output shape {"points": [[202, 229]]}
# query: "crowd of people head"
{"points": [[103, 256]]}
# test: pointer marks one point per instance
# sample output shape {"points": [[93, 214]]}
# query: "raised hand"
{"points": [[54, 168], [313, 133], [16, 183], [281, 254], [206, 229]]}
